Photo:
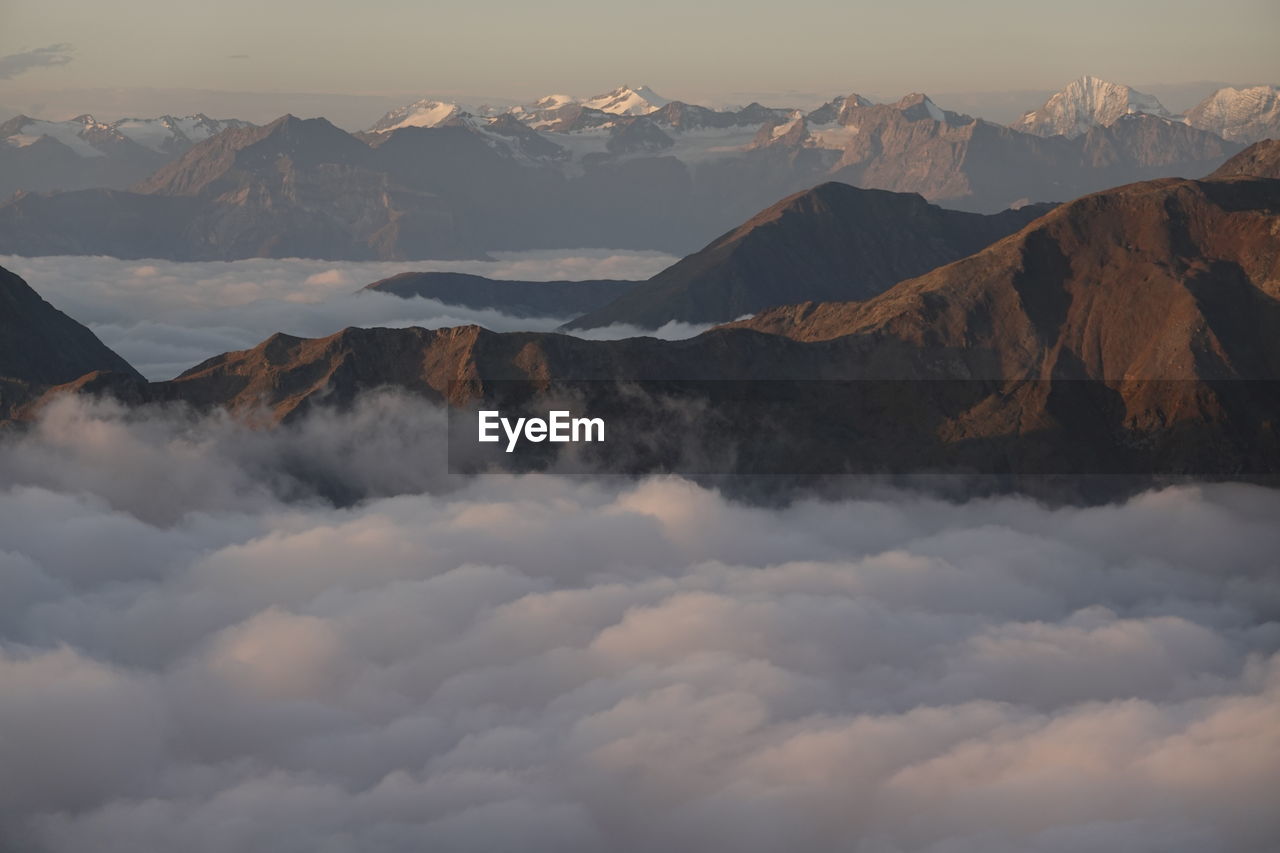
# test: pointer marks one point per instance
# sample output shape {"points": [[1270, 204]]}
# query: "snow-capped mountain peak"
{"points": [[1241, 115], [423, 113], [628, 101], [1085, 103]]}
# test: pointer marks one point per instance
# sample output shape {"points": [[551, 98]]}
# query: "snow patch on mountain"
{"points": [[783, 128]]}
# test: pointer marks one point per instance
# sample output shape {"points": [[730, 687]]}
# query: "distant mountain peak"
{"points": [[832, 109], [290, 125], [627, 100], [1088, 102], [1247, 114], [920, 105]]}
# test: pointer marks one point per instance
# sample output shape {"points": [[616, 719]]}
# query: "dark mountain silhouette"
{"points": [[828, 243], [40, 346]]}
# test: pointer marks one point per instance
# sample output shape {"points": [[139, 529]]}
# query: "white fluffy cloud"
{"points": [[165, 317], [197, 652]]}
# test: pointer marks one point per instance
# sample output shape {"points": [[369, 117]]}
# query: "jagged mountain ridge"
{"points": [[89, 137], [38, 155]]}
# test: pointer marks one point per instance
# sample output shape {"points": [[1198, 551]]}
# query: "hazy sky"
{"points": [[681, 49]]}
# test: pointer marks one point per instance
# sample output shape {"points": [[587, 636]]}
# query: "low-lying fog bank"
{"points": [[199, 652], [164, 316]]}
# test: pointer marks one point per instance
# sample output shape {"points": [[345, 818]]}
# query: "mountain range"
{"points": [[37, 155], [569, 174], [1141, 323], [83, 152]]}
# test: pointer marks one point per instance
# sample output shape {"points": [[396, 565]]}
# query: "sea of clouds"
{"points": [[166, 316], [214, 639]]}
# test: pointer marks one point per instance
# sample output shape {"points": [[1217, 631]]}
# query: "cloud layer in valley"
{"points": [[197, 651], [165, 317]]}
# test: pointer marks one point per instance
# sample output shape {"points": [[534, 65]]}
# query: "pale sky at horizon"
{"points": [[521, 50]]}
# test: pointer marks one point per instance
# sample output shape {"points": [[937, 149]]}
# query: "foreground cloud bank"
{"points": [[198, 652]]}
